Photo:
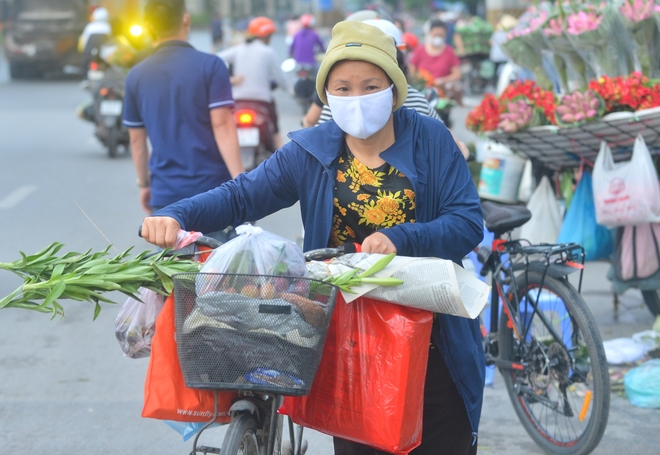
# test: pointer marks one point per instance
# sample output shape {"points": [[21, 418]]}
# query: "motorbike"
{"points": [[255, 132], [304, 82], [305, 86], [106, 85], [106, 77], [441, 102], [478, 71]]}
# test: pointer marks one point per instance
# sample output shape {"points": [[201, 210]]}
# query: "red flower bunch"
{"points": [[539, 98], [630, 93], [486, 116]]}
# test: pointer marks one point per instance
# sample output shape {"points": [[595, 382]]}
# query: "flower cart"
{"points": [[561, 135]]}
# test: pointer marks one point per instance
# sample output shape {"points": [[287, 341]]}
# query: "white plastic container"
{"points": [[501, 171]]}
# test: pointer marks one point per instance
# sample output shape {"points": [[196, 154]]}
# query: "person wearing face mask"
{"points": [[414, 100], [438, 58], [381, 175]]}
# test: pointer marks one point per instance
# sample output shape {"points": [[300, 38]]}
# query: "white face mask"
{"points": [[436, 41], [362, 116]]}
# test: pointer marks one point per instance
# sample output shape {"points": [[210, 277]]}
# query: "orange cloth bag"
{"points": [[370, 384], [166, 396]]}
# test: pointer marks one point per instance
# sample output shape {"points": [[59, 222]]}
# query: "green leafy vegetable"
{"points": [[49, 278]]}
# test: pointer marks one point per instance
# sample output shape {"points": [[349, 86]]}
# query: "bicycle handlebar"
{"points": [[312, 255]]}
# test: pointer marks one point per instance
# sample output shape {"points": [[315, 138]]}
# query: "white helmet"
{"points": [[100, 15], [388, 28], [362, 15]]}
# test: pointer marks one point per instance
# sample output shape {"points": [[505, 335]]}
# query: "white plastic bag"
{"points": [[546, 219], [628, 192], [257, 252], [136, 323], [526, 187], [624, 350]]}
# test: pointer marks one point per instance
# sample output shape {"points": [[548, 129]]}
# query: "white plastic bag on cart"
{"points": [[628, 192], [545, 224], [136, 323], [526, 187]]}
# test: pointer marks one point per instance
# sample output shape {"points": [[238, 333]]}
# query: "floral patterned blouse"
{"points": [[367, 200]]}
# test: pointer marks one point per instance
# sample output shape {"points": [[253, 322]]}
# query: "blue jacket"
{"points": [[448, 213]]}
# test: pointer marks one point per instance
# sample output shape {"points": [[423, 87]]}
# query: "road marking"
{"points": [[17, 196]]}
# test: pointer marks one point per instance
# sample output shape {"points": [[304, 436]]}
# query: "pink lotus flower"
{"points": [[582, 22], [537, 21], [637, 10], [518, 33], [519, 114], [554, 28]]}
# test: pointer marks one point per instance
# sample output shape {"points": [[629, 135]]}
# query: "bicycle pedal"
{"points": [[205, 450]]}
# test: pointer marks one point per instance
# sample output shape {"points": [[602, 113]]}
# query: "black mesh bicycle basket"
{"points": [[251, 332]]}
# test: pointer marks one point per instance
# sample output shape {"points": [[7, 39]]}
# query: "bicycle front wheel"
{"points": [[561, 395], [241, 437]]}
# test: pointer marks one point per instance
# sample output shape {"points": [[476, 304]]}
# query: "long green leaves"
{"points": [[350, 278], [48, 278]]}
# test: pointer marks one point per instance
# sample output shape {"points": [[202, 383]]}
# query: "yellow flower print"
{"points": [[388, 204], [350, 232], [410, 194], [342, 210], [341, 177], [362, 175], [363, 197], [374, 216], [336, 237], [371, 214]]}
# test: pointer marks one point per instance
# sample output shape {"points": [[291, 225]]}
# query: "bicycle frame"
{"points": [[503, 260]]}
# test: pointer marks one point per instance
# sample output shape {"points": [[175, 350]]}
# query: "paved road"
{"points": [[64, 386]]}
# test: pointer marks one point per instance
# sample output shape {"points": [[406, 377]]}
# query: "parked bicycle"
{"points": [[545, 343]]}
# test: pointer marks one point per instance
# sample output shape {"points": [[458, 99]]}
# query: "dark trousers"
{"points": [[446, 427]]}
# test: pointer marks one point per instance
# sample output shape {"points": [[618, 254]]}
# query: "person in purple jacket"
{"points": [[306, 43]]}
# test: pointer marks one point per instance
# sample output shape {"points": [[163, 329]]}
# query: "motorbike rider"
{"points": [[256, 68], [439, 59], [411, 41], [306, 43], [93, 36]]}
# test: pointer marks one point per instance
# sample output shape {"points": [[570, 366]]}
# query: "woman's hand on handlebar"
{"points": [[160, 230], [378, 243]]}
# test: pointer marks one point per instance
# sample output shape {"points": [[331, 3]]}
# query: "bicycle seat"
{"points": [[504, 218]]}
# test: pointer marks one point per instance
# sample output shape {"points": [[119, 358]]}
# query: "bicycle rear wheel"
{"points": [[562, 395], [241, 437]]}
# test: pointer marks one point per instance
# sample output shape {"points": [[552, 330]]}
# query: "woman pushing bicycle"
{"points": [[380, 175]]}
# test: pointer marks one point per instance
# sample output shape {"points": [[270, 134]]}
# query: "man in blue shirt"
{"points": [[181, 100]]}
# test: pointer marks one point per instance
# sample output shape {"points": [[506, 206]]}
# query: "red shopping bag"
{"points": [[166, 396], [370, 384]]}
